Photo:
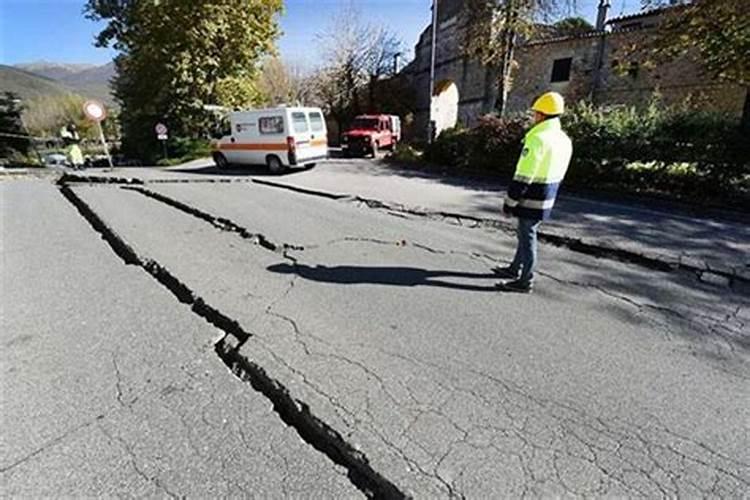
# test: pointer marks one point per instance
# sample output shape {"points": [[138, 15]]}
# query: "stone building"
{"points": [[585, 66]]}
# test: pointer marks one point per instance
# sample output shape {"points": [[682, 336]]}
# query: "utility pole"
{"points": [[432, 67]]}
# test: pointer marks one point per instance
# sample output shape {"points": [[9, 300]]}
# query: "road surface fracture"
{"points": [[111, 388], [294, 413], [609, 251], [574, 244], [592, 386]]}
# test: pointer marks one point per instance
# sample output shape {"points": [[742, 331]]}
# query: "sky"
{"points": [[56, 30]]}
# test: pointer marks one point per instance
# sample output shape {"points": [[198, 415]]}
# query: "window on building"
{"points": [[561, 69]]}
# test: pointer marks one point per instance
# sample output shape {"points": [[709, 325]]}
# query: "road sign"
{"points": [[94, 111], [162, 137], [160, 130]]}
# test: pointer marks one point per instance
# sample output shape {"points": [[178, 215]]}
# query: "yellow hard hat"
{"points": [[550, 103]]}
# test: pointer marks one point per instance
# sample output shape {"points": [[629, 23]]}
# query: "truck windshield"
{"points": [[366, 123]]}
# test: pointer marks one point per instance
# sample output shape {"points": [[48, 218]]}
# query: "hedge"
{"points": [[673, 151]]}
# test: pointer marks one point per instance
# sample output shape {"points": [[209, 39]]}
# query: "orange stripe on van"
{"points": [[319, 142], [272, 146]]}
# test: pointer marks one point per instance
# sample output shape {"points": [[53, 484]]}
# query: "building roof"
{"points": [[643, 13]]}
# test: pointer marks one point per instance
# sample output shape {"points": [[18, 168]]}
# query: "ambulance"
{"points": [[279, 138]]}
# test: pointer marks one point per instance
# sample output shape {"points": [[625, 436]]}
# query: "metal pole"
{"points": [[104, 143], [164, 148], [432, 66]]}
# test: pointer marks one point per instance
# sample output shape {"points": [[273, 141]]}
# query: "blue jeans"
{"points": [[525, 258]]}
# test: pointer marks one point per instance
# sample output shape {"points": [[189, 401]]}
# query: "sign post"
{"points": [[161, 134], [96, 112]]}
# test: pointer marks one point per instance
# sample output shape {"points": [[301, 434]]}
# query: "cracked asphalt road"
{"points": [[383, 331]]}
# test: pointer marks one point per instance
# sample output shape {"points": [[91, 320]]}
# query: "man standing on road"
{"points": [[531, 195]]}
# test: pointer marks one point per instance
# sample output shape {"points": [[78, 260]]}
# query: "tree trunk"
{"points": [[745, 123], [509, 41]]}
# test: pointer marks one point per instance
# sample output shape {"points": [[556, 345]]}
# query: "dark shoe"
{"points": [[515, 286], [505, 273]]}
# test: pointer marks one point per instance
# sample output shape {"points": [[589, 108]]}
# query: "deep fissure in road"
{"points": [[571, 243], [293, 412], [218, 222]]}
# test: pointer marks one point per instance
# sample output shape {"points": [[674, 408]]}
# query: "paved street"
{"points": [[189, 338]]}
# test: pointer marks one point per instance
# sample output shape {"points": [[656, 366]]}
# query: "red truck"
{"points": [[370, 133]]}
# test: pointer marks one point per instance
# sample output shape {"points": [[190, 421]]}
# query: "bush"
{"points": [[182, 150], [657, 149], [452, 147], [494, 144], [674, 151], [497, 143]]}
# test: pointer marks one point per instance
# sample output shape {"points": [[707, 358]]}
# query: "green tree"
{"points": [[176, 56], [11, 126], [493, 28], [715, 33], [571, 26]]}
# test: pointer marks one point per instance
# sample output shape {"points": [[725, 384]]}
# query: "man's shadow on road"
{"points": [[393, 276]]}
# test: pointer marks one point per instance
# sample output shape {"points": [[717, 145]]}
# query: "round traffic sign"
{"points": [[160, 129], [94, 110]]}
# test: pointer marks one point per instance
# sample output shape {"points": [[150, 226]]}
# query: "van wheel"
{"points": [[274, 164], [220, 160]]}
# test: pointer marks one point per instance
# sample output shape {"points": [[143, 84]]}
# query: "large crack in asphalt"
{"points": [[293, 412], [718, 327], [654, 262], [702, 270], [218, 222]]}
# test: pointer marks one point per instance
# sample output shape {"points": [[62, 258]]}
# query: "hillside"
{"points": [[47, 78], [29, 85], [54, 71]]}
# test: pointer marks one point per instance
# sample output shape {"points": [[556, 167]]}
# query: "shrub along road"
{"points": [[369, 354]]}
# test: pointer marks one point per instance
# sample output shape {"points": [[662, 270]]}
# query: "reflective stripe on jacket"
{"points": [[540, 170]]}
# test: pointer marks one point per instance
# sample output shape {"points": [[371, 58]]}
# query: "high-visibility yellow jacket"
{"points": [[75, 156], [540, 170]]}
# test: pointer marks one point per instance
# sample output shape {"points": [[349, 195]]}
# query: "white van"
{"points": [[276, 137]]}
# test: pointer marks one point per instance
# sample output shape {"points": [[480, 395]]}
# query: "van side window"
{"points": [[271, 124], [316, 122], [300, 123]]}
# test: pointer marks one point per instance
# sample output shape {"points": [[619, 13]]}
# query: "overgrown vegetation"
{"points": [[683, 154]]}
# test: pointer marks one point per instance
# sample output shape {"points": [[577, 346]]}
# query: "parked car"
{"points": [[370, 133], [276, 137], [55, 160]]}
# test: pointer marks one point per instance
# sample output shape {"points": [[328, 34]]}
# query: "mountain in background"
{"points": [[28, 85], [45, 78], [53, 70]]}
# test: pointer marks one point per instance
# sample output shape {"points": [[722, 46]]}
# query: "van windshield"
{"points": [[366, 123]]}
